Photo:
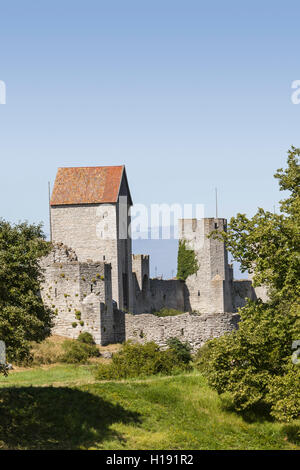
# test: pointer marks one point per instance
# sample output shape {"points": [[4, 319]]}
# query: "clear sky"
{"points": [[187, 94]]}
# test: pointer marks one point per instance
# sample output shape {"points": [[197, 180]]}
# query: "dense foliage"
{"points": [[78, 351], [182, 350], [86, 337], [254, 363], [23, 317], [167, 312], [187, 263], [135, 360]]}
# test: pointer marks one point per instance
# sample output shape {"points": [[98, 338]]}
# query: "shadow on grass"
{"points": [[293, 433], [258, 413], [57, 418]]}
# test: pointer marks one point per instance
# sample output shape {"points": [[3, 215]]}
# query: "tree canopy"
{"points": [[268, 244], [254, 363], [23, 317]]}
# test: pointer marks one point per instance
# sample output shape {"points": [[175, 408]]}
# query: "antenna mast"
{"points": [[216, 202], [50, 223]]}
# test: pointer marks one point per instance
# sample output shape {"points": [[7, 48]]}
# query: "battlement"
{"points": [[140, 257], [188, 227], [67, 283], [141, 271], [209, 288], [89, 285]]}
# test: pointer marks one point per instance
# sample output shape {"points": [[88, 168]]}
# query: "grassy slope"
{"points": [[179, 412]]}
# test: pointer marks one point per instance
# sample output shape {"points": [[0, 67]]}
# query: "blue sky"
{"points": [[189, 95]]}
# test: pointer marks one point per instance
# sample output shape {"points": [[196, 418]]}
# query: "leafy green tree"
{"points": [[254, 363], [187, 263], [269, 244], [23, 317]]}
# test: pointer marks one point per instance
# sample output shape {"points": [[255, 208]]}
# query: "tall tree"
{"points": [[268, 243], [255, 363], [23, 317]]}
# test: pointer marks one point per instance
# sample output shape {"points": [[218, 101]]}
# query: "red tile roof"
{"points": [[87, 185]]}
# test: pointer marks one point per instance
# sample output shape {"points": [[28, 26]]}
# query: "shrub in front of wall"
{"points": [[182, 350], [78, 352], [46, 352], [135, 360], [78, 314], [167, 312], [202, 358], [86, 338]]}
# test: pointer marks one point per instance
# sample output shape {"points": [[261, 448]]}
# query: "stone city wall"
{"points": [[158, 294], [196, 329], [66, 286]]}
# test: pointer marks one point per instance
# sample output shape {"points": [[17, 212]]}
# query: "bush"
{"points": [[202, 358], [250, 363], [78, 352], [136, 360], [284, 394], [182, 350], [86, 338], [46, 352], [167, 312]]}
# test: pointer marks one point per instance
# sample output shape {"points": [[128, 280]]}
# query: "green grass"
{"points": [[62, 407], [64, 374]]}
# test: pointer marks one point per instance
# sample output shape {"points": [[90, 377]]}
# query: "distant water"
{"points": [[163, 257]]}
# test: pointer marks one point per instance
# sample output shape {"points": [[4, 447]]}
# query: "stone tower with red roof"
{"points": [[89, 210]]}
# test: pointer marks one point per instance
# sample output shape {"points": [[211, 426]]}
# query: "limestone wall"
{"points": [[141, 269], [67, 284], [209, 289], [157, 294], [91, 230], [98, 320], [124, 257], [61, 293], [242, 289], [261, 292], [196, 329]]}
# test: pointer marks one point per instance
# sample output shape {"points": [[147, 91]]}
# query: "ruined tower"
{"points": [[90, 213], [209, 290]]}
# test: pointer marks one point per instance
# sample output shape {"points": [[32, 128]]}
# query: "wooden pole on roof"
{"points": [[50, 222]]}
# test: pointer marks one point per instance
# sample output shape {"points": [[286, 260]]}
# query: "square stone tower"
{"points": [[209, 290], [89, 212]]}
